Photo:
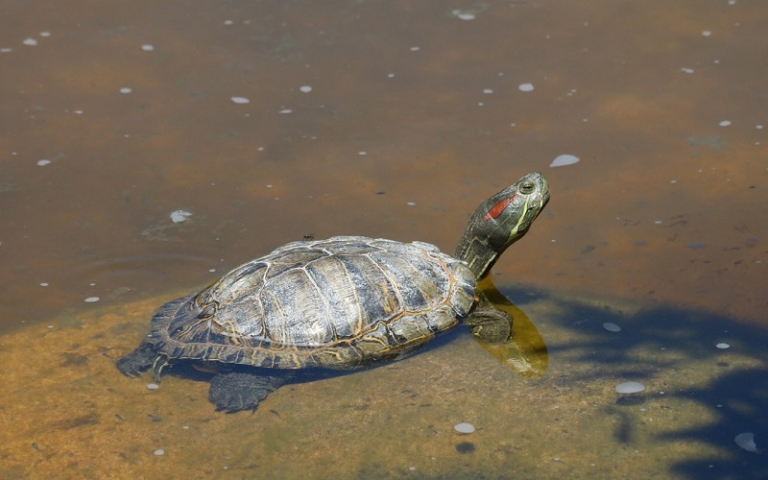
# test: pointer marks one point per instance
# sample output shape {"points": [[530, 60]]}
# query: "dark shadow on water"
{"points": [[658, 338]]}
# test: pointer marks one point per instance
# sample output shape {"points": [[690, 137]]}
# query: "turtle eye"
{"points": [[527, 188]]}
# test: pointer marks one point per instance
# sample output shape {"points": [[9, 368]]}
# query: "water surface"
{"points": [[268, 121]]}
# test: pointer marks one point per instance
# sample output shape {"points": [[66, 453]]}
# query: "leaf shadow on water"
{"points": [[675, 351]]}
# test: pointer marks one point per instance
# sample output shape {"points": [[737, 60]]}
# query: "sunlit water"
{"points": [[148, 148]]}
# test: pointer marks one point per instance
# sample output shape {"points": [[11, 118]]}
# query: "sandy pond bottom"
{"points": [[66, 411]]}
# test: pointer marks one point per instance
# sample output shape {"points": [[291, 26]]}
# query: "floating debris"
{"points": [[180, 216], [611, 327], [563, 160], [725, 123], [126, 90], [630, 387], [152, 386], [92, 299], [305, 88], [525, 87], [43, 162], [722, 346], [148, 48], [159, 452], [240, 100], [464, 14], [464, 427], [746, 441]]}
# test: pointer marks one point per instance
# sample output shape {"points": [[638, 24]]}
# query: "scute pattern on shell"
{"points": [[339, 303]]}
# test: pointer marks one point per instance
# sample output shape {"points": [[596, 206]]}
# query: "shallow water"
{"points": [[393, 120]]}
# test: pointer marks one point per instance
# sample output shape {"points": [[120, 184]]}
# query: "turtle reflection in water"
{"points": [[340, 303]]}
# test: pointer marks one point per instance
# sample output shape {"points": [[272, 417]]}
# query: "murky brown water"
{"points": [[389, 119]]}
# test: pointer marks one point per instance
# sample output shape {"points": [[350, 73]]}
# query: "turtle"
{"points": [[340, 303]]}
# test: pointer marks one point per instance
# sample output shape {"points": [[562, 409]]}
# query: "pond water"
{"points": [[149, 147]]}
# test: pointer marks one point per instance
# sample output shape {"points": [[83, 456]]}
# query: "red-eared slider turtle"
{"points": [[340, 303]]}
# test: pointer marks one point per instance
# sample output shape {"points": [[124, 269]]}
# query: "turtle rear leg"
{"points": [[138, 360], [233, 392]]}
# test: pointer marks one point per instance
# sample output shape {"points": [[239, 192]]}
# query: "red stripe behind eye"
{"points": [[496, 210]]}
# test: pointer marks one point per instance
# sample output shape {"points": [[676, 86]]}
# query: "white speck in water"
{"points": [[630, 387], [92, 299], [152, 386], [305, 88], [229, 22], [185, 427], [45, 34], [611, 327], [44, 284], [126, 90], [686, 70], [759, 127], [411, 204], [673, 181], [725, 123], [556, 459], [286, 111], [658, 222], [159, 452], [706, 33], [525, 87], [6, 50], [415, 49], [487, 91], [723, 346], [77, 112], [269, 185], [362, 153], [563, 160], [148, 48], [43, 162], [179, 216], [412, 468], [30, 41], [464, 15], [50, 327], [390, 75], [746, 441], [240, 100], [464, 427]]}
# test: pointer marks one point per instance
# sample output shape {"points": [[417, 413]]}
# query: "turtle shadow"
{"points": [[663, 338]]}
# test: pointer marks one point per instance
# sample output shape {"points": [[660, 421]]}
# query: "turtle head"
{"points": [[500, 221]]}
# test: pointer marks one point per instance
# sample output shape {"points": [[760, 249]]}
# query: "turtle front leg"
{"points": [[233, 392], [138, 360], [490, 324]]}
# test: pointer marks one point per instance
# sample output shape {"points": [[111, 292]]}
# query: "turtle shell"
{"points": [[343, 302]]}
